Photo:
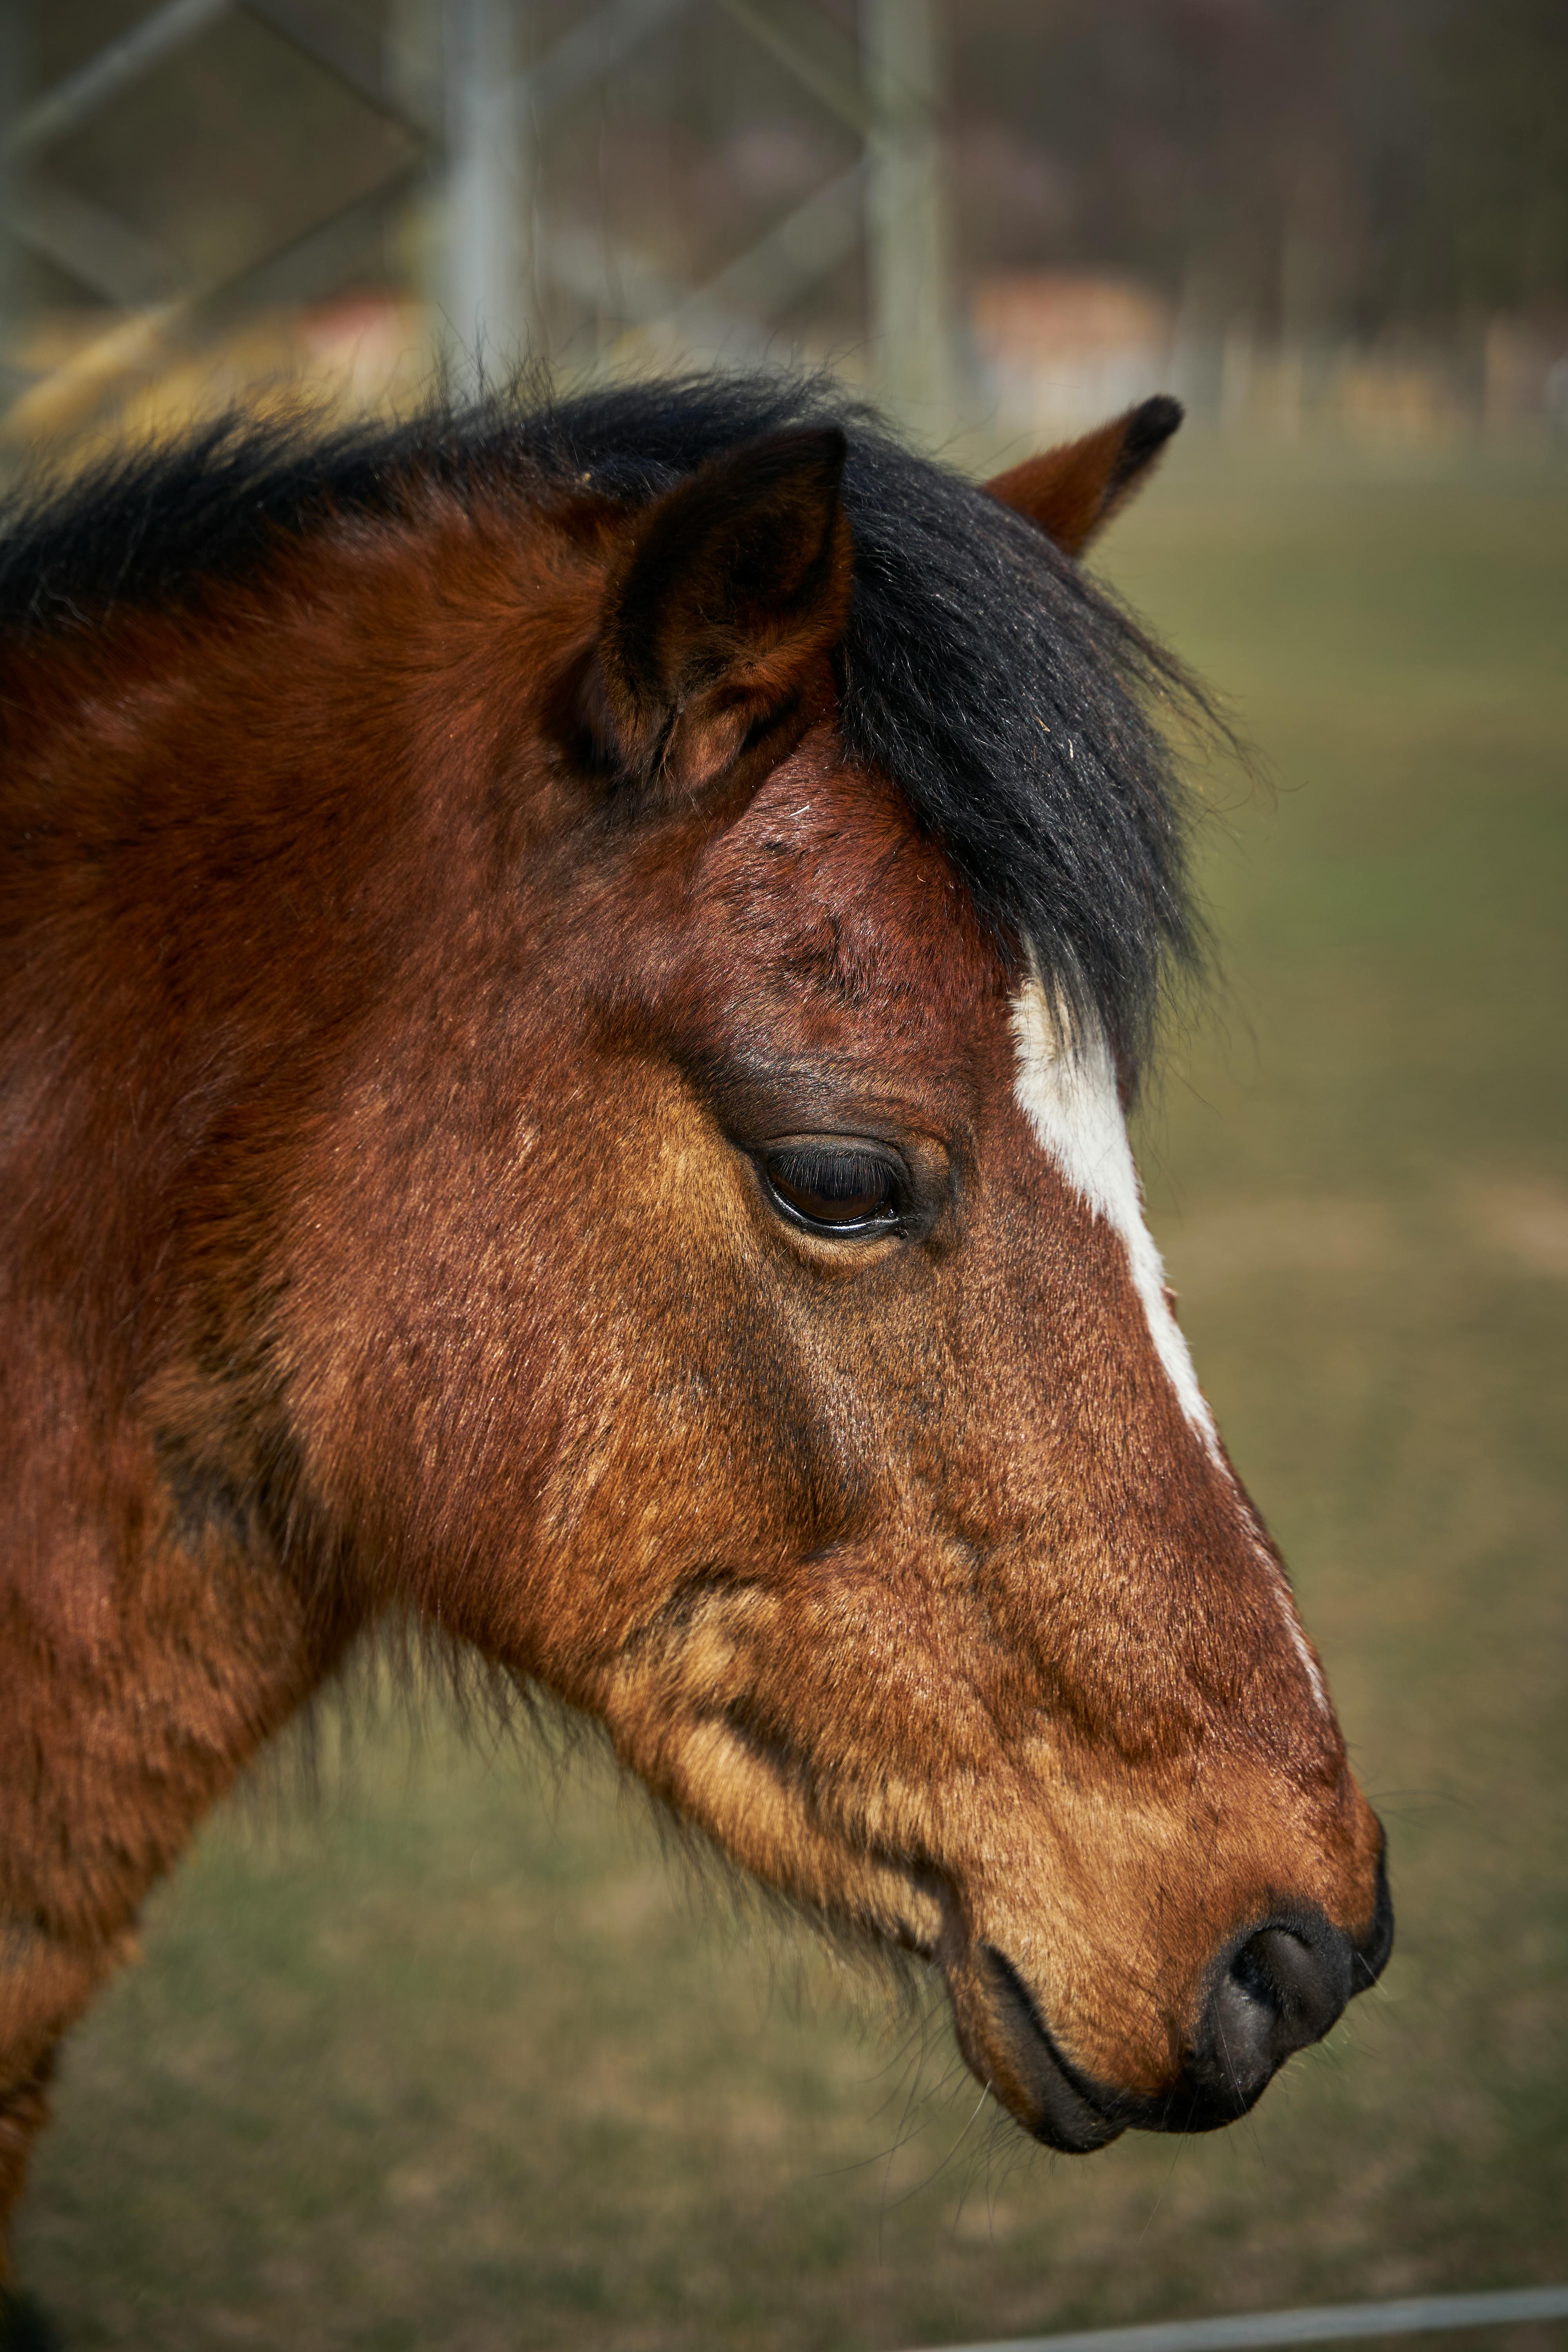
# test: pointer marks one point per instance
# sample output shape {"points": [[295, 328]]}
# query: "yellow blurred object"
{"points": [[363, 354]]}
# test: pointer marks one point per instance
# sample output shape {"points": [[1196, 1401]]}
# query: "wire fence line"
{"points": [[1326, 2324]]}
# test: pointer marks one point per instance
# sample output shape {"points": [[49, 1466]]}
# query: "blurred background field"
{"points": [[450, 2056], [446, 2054]]}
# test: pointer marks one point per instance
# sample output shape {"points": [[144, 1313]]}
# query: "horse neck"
{"points": [[214, 815], [225, 832]]}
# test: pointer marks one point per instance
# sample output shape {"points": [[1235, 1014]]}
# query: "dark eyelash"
{"points": [[832, 1175]]}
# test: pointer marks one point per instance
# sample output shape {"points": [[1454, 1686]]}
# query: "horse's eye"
{"points": [[839, 1187]]}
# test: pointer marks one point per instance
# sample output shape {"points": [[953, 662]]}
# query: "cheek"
{"points": [[703, 1430]]}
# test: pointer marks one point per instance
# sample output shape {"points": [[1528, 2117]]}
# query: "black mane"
{"points": [[1006, 694]]}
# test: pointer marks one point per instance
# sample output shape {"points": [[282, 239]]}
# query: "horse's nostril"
{"points": [[1305, 1985], [1283, 1989]]}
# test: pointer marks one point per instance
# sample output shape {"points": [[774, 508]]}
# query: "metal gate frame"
{"points": [[448, 76]]}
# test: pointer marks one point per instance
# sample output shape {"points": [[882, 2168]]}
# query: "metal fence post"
{"points": [[490, 294], [909, 263]]}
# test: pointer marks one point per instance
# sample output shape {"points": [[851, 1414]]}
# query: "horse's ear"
{"points": [[1071, 491], [730, 589]]}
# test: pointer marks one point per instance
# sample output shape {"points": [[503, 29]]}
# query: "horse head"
{"points": [[573, 985], [770, 1355]]}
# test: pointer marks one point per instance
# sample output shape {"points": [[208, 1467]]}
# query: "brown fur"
{"points": [[1074, 490], [405, 956]]}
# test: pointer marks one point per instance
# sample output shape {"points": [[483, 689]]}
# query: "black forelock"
{"points": [[1006, 694]]}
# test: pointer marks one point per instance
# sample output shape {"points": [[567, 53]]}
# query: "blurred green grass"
{"points": [[450, 2057]]}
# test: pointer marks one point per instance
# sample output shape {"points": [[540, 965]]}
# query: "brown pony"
{"points": [[571, 977]]}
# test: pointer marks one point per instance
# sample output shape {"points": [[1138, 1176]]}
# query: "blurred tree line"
{"points": [[1319, 167]]}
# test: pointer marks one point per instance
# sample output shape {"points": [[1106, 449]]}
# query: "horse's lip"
{"points": [[1372, 1950], [1065, 2108], [1050, 2096]]}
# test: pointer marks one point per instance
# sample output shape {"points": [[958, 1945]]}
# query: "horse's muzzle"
{"points": [[1273, 1990]]}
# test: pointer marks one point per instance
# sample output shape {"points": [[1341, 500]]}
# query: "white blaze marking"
{"points": [[1065, 1087]]}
